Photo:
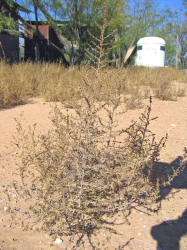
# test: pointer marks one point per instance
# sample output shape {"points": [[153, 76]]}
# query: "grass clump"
{"points": [[18, 82], [164, 83], [11, 91]]}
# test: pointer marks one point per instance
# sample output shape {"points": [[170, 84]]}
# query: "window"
{"points": [[162, 48], [139, 47]]}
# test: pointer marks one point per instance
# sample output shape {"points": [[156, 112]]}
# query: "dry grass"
{"points": [[18, 83], [55, 83]]}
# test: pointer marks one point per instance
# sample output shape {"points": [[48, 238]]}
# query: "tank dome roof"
{"points": [[151, 39]]}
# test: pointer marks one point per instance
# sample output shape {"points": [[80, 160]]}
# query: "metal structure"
{"points": [[40, 49], [150, 52]]}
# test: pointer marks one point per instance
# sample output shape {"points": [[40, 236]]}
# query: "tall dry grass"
{"points": [[55, 83]]}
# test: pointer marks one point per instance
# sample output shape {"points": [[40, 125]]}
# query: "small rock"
{"points": [[35, 228], [2, 185], [6, 209], [173, 125], [58, 241]]}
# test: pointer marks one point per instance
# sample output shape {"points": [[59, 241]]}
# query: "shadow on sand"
{"points": [[169, 233]]}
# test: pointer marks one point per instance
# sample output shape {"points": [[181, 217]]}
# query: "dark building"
{"points": [[40, 49], [9, 47], [9, 44]]}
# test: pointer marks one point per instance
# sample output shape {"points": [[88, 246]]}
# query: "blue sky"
{"points": [[172, 4]]}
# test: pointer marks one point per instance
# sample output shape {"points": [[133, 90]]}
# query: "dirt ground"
{"points": [[164, 230]]}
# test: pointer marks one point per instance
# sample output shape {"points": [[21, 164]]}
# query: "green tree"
{"points": [[174, 31], [167, 32], [9, 10]]}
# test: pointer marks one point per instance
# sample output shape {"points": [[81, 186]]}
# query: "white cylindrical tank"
{"points": [[150, 52]]}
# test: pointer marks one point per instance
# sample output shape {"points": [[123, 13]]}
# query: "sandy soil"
{"points": [[166, 230]]}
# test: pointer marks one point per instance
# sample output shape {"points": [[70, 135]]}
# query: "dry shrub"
{"points": [[85, 170]]}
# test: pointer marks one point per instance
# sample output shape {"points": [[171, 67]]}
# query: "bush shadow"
{"points": [[21, 103], [166, 169], [168, 233]]}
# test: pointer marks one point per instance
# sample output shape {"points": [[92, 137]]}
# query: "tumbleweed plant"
{"points": [[85, 170]]}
